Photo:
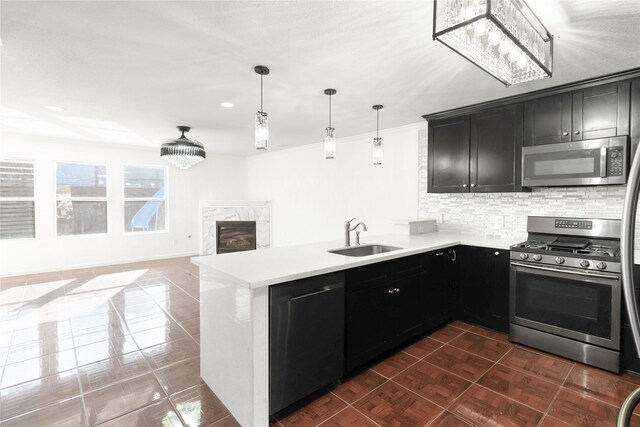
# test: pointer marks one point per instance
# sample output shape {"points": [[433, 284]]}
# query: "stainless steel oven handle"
{"points": [[603, 162], [558, 270]]}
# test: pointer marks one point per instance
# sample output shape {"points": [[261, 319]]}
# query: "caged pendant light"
{"points": [[502, 37], [329, 132], [183, 152], [262, 120], [377, 141]]}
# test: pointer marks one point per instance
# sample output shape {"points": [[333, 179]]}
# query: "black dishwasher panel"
{"points": [[306, 338]]}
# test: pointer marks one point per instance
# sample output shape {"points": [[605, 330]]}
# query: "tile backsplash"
{"points": [[504, 215]]}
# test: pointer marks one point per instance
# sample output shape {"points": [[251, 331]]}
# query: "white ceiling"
{"points": [[129, 71]]}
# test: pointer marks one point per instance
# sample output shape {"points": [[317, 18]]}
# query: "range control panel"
{"points": [[574, 223], [615, 164]]}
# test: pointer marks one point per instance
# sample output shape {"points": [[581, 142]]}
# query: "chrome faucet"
{"points": [[348, 229]]}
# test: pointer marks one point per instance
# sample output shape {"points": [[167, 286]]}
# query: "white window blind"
{"points": [[144, 198], [81, 199], [17, 202]]}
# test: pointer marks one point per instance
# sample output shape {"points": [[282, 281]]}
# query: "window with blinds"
{"points": [[17, 202]]}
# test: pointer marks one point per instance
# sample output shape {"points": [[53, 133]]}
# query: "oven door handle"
{"points": [[559, 270]]}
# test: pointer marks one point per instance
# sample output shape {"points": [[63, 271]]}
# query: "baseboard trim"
{"points": [[100, 264]]}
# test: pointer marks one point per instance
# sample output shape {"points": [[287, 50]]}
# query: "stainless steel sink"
{"points": [[363, 250]]}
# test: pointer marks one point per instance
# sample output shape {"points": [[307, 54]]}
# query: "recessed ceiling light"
{"points": [[226, 104], [54, 108]]}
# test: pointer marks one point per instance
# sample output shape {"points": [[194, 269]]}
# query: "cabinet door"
{"points": [[547, 120], [498, 281], [436, 295], [448, 155], [496, 150], [484, 287], [405, 309], [601, 111], [369, 328]]}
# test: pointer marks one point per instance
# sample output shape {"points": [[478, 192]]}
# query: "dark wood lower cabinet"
{"points": [[439, 291], [386, 304], [383, 308], [483, 288]]}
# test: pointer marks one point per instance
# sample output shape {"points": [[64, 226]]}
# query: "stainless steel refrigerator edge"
{"points": [[629, 210]]}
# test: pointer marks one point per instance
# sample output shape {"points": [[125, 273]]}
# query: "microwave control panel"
{"points": [[615, 166]]}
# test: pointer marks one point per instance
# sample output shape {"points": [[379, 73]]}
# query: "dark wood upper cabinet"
{"points": [[496, 149], [448, 155], [476, 153], [595, 112], [547, 120], [601, 111]]}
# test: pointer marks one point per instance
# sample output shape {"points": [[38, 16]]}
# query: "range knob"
{"points": [[537, 257], [559, 260], [584, 263], [524, 256], [601, 265]]}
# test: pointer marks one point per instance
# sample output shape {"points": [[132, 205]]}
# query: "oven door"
{"points": [[594, 162], [573, 304]]}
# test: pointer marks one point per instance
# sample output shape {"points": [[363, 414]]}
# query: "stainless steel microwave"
{"points": [[594, 162]]}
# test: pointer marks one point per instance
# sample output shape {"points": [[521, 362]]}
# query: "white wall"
{"points": [[218, 177], [312, 197]]}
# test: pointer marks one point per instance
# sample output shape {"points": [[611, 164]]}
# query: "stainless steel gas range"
{"points": [[566, 287]]}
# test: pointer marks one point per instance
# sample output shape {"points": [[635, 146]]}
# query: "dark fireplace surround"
{"points": [[235, 236]]}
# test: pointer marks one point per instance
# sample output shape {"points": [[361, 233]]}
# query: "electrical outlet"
{"points": [[175, 242], [420, 229]]}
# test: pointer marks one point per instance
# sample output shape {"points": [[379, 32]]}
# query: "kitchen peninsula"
{"points": [[235, 301]]}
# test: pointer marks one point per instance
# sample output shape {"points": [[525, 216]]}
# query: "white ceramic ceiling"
{"points": [[129, 71]]}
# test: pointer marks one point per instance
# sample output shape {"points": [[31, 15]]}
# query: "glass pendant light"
{"points": [[377, 141], [329, 132], [502, 37], [183, 152], [262, 120]]}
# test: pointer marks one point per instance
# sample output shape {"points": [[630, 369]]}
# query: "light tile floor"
{"points": [[119, 346]]}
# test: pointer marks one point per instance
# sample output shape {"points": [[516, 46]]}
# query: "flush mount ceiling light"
{"points": [[54, 108], [183, 152], [329, 132], [377, 141], [226, 104], [503, 37], [262, 121]]}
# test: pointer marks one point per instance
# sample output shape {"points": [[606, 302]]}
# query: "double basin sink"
{"points": [[363, 250]]}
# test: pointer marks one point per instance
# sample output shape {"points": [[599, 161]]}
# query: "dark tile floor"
{"points": [[118, 346]]}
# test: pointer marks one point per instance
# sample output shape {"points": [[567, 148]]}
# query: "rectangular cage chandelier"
{"points": [[503, 37]]}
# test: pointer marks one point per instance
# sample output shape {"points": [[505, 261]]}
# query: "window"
{"points": [[17, 203], [144, 198], [81, 199]]}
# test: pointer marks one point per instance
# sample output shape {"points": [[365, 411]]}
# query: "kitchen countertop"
{"points": [[265, 267]]}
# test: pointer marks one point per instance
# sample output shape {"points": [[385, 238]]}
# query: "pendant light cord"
{"points": [[261, 110], [377, 122], [329, 110]]}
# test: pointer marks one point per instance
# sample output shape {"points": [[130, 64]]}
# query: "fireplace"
{"points": [[235, 236]]}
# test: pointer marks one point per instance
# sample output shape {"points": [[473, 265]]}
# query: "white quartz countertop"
{"points": [[267, 267]]}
